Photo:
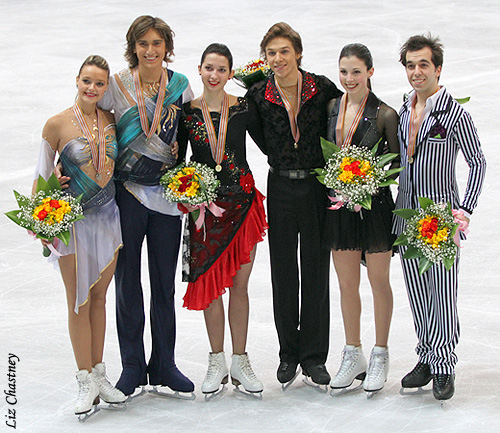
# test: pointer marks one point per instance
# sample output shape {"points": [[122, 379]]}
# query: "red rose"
{"points": [[42, 215], [199, 123], [189, 118], [191, 131], [55, 204], [196, 137], [207, 140], [231, 166], [247, 182], [225, 157]]}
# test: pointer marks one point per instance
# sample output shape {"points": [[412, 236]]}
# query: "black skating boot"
{"points": [[286, 371], [418, 377], [443, 386]]}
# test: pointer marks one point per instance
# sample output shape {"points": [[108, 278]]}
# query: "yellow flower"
{"points": [[346, 176]]}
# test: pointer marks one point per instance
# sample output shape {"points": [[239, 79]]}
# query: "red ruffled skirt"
{"points": [[213, 282]]}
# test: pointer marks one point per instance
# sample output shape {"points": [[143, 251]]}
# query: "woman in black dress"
{"points": [[359, 118]]}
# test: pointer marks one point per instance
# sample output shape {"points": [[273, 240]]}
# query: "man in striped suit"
{"points": [[433, 127]]}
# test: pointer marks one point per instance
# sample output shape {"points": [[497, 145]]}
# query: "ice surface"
{"points": [[43, 44]]}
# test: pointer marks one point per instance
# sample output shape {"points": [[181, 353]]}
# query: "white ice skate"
{"points": [[377, 372], [107, 392], [243, 374], [88, 396], [217, 375], [352, 367]]}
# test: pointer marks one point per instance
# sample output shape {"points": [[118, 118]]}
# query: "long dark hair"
{"points": [[220, 49], [361, 52]]}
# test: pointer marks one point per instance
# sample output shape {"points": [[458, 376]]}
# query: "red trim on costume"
{"points": [[308, 90], [212, 283]]}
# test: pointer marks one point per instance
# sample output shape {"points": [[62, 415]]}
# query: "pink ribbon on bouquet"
{"points": [[212, 207], [339, 203], [463, 226], [51, 246]]}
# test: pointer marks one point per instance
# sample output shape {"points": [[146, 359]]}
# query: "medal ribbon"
{"points": [[415, 124], [217, 144], [354, 125], [98, 152], [142, 105], [294, 127]]}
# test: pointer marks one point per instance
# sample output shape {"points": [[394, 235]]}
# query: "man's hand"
{"points": [[63, 180]]}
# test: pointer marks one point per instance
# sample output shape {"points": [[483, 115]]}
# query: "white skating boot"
{"points": [[107, 392], [353, 367], [88, 393], [243, 374], [378, 369], [217, 373]]}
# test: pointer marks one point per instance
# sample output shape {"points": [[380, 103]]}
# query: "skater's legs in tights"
{"points": [[88, 327], [237, 315]]}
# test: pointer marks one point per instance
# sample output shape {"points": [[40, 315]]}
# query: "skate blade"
{"points": [[135, 394], [337, 392], [113, 406], [171, 393], [414, 391], [285, 386], [316, 386], [253, 395], [85, 416], [371, 394], [209, 396]]}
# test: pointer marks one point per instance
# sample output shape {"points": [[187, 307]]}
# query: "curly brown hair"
{"points": [[418, 42], [139, 27]]}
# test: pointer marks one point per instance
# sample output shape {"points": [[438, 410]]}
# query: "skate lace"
{"points": [[213, 371], [376, 366], [349, 358], [247, 370], [104, 384], [83, 392]]}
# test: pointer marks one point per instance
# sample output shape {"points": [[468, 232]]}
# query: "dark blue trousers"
{"points": [[163, 239]]}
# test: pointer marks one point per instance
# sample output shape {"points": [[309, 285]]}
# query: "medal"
{"points": [[217, 144], [294, 127], [354, 125], [410, 159], [141, 105], [97, 152]]}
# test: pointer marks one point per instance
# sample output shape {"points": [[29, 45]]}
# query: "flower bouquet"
{"points": [[195, 185], [355, 174], [49, 213], [431, 234], [253, 71]]}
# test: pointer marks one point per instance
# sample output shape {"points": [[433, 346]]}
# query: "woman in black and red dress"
{"points": [[222, 252]]}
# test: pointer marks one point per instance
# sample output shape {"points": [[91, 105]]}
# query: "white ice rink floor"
{"points": [[42, 46]]}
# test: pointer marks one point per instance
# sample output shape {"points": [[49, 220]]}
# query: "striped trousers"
{"points": [[433, 302]]}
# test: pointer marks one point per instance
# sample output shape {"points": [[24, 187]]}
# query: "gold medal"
{"points": [[218, 168]]}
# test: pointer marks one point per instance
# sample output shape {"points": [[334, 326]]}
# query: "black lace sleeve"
{"points": [[387, 122], [182, 135]]}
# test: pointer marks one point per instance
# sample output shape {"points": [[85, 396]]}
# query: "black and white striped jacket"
{"points": [[447, 129]]}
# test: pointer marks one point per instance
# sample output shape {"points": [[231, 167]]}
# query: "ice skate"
{"points": [[287, 373], [243, 374], [88, 396], [172, 384], [416, 379], [319, 377], [132, 383], [378, 370], [443, 387], [216, 377], [107, 392], [352, 367]]}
